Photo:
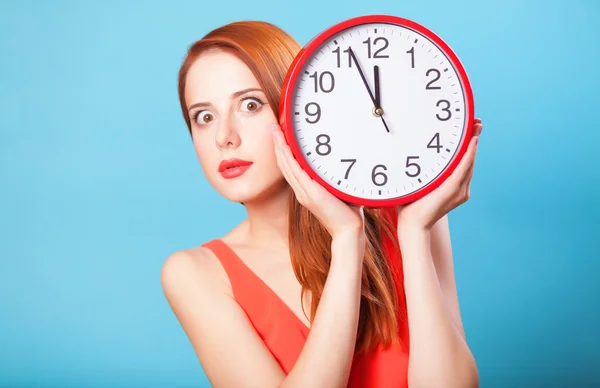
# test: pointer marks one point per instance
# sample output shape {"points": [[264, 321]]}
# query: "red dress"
{"points": [[284, 333]]}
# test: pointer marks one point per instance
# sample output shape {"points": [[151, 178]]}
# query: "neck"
{"points": [[267, 221]]}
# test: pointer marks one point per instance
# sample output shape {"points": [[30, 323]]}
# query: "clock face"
{"points": [[378, 110]]}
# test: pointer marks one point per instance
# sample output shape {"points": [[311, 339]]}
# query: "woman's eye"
{"points": [[251, 104], [204, 117]]}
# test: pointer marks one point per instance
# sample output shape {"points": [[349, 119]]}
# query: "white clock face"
{"points": [[342, 136]]}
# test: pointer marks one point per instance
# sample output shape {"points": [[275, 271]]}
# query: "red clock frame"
{"points": [[286, 108]]}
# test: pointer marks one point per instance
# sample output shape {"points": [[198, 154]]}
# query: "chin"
{"points": [[249, 191]]}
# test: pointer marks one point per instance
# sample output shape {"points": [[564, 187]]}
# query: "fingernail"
{"points": [[272, 129]]}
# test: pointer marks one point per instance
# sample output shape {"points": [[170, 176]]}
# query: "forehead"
{"points": [[215, 75]]}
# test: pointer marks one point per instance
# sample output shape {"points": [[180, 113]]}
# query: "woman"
{"points": [[242, 298]]}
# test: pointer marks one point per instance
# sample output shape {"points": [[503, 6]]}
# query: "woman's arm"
{"points": [[441, 252], [326, 358], [439, 355], [229, 349]]}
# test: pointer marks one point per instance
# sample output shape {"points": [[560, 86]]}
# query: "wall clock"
{"points": [[378, 109]]}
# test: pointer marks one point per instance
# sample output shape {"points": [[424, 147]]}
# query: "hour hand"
{"points": [[377, 93]]}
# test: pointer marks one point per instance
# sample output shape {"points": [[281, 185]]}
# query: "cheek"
{"points": [[270, 165], [267, 149], [207, 154], [267, 146], [263, 151]]}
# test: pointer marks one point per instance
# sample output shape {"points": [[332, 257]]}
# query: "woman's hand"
{"points": [[454, 191], [335, 215]]}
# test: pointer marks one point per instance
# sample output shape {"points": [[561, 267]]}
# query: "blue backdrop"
{"points": [[99, 183]]}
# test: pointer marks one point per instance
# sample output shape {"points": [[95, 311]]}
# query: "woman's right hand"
{"points": [[335, 215]]}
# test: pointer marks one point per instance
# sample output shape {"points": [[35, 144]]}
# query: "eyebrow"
{"points": [[234, 95]]}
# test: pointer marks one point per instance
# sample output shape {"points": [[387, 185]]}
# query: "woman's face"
{"points": [[231, 121]]}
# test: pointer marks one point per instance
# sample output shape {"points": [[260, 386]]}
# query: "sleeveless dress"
{"points": [[285, 334]]}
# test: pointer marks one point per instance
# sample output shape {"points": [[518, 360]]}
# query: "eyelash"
{"points": [[257, 99]]}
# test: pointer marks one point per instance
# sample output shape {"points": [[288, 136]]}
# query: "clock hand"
{"points": [[384, 123], [378, 110], [377, 94], [362, 76]]}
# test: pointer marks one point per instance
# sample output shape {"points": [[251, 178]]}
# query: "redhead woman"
{"points": [[307, 291]]}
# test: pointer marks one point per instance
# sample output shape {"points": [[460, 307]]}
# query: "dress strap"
{"points": [[240, 276], [249, 290]]}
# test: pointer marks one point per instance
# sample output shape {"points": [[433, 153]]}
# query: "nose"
{"points": [[227, 133]]}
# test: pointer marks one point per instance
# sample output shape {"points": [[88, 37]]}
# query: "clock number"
{"points": [[339, 56], [319, 84], [352, 161], [438, 75], [325, 144], [317, 113], [446, 109], [437, 145], [374, 175], [411, 164], [412, 57], [385, 45]]}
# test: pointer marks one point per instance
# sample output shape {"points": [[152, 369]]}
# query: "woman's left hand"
{"points": [[454, 191]]}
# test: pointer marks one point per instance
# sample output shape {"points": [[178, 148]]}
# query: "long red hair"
{"points": [[268, 51]]}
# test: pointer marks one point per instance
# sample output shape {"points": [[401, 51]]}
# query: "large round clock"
{"points": [[377, 109]]}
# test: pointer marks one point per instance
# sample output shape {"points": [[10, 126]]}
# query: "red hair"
{"points": [[268, 51]]}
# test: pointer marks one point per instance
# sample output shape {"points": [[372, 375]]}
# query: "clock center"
{"points": [[377, 112]]}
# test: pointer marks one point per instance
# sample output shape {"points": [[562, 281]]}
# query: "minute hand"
{"points": [[362, 76]]}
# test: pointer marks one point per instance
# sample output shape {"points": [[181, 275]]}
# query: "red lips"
{"points": [[229, 163]]}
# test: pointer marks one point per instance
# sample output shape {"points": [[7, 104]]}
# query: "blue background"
{"points": [[99, 183]]}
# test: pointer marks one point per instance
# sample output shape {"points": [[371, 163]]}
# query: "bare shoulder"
{"points": [[180, 262], [225, 342], [197, 266]]}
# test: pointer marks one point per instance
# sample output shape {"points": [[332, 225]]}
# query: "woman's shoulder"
{"points": [[197, 267], [199, 263], [191, 259]]}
